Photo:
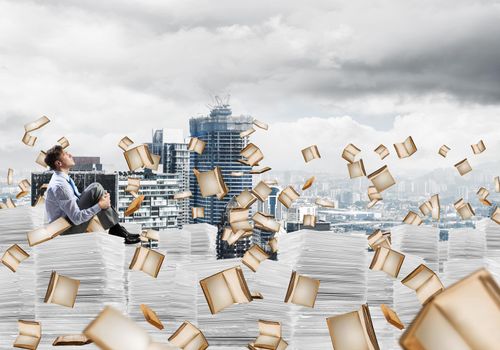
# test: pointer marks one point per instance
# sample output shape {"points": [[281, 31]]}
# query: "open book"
{"points": [[379, 239], [260, 124], [138, 157], [13, 257], [28, 139], [63, 141], [125, 142], [391, 316], [61, 290], [111, 330], [349, 153], [9, 203], [463, 167], [497, 184], [247, 132], [443, 150], [353, 330], [238, 219], [232, 237], [374, 196], [265, 222], [133, 184], [382, 151], [134, 205], [424, 282], [37, 124], [30, 333], [287, 196], [309, 182], [310, 153], [196, 145], [324, 203], [260, 171], [182, 195], [150, 235], [252, 153], [211, 183], [10, 176], [254, 256], [71, 340], [245, 199], [48, 232], [225, 288], [309, 220], [302, 290], [25, 187], [151, 316], [262, 191], [40, 159], [483, 194], [431, 207], [465, 316], [387, 260], [198, 212], [412, 218], [273, 243], [269, 337], [381, 179], [188, 337], [478, 147], [147, 260], [495, 216], [356, 169], [464, 209], [405, 148]]}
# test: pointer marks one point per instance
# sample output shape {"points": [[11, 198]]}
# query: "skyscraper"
{"points": [[221, 132]]}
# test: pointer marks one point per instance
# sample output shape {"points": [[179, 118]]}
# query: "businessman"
{"points": [[63, 199]]}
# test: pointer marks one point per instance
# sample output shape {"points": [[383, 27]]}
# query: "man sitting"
{"points": [[62, 198]]}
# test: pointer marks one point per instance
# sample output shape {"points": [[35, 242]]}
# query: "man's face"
{"points": [[65, 161]]}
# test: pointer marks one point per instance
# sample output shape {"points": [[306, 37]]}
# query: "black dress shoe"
{"points": [[132, 240], [121, 231]]}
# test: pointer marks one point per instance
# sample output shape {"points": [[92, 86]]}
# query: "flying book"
{"points": [[353, 330], [262, 191], [182, 195], [443, 150], [269, 337], [309, 220], [412, 218], [211, 183], [495, 216], [111, 330], [30, 333], [483, 193], [405, 148], [196, 145], [497, 184], [425, 208], [156, 162], [287, 196], [147, 260], [28, 139], [464, 209], [10, 176], [252, 153], [151, 317], [254, 256], [310, 153], [61, 290], [424, 282], [150, 235], [232, 237], [309, 182], [356, 169], [71, 340], [245, 199], [324, 203], [9, 203], [247, 132], [260, 124], [139, 157], [37, 124], [3, 205], [48, 232], [198, 212], [349, 153], [379, 239], [95, 225], [382, 151], [25, 187], [302, 290], [134, 205], [238, 219], [40, 159], [133, 184], [225, 288], [387, 260], [265, 222], [373, 194], [63, 141], [13, 256], [391, 316], [273, 244], [431, 207], [478, 147], [463, 167], [125, 142], [381, 179], [188, 337], [464, 316], [260, 171]]}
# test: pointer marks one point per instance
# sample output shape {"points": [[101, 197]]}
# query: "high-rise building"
{"points": [[170, 145], [87, 164]]}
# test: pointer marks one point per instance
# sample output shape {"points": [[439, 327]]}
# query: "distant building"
{"points": [[87, 164], [296, 226]]}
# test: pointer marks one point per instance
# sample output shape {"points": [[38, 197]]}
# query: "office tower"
{"points": [[87, 164], [159, 210], [170, 145]]}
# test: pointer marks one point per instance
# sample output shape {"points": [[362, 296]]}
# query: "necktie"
{"points": [[73, 186]]}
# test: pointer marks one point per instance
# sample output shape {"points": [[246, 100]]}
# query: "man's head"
{"points": [[58, 159]]}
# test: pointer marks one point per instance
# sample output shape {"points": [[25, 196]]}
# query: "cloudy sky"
{"points": [[320, 72]]}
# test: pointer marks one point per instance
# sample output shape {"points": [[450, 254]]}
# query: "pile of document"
{"points": [[175, 244], [443, 255], [97, 261], [202, 243], [491, 230], [340, 262], [421, 241]]}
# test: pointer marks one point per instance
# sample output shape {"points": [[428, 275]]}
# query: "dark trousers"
{"points": [[90, 197]]}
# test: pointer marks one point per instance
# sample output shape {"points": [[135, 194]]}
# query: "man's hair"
{"points": [[52, 155]]}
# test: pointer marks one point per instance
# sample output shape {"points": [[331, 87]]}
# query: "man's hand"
{"points": [[104, 201]]}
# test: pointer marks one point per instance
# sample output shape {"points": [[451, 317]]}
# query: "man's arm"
{"points": [[67, 203]]}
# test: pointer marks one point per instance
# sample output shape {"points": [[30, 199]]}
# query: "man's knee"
{"points": [[96, 189]]}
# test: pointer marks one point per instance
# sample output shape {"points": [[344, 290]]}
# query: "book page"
{"points": [[37, 124], [269, 328], [431, 287], [217, 292], [197, 343], [417, 277], [65, 291], [305, 291], [133, 158], [26, 342], [463, 167], [382, 179], [236, 286], [347, 332], [125, 142], [153, 263], [356, 169], [349, 153], [262, 191]]}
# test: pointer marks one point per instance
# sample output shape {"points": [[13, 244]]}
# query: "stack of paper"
{"points": [[491, 231], [340, 262], [421, 241], [175, 244], [96, 260], [443, 254], [203, 238]]}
